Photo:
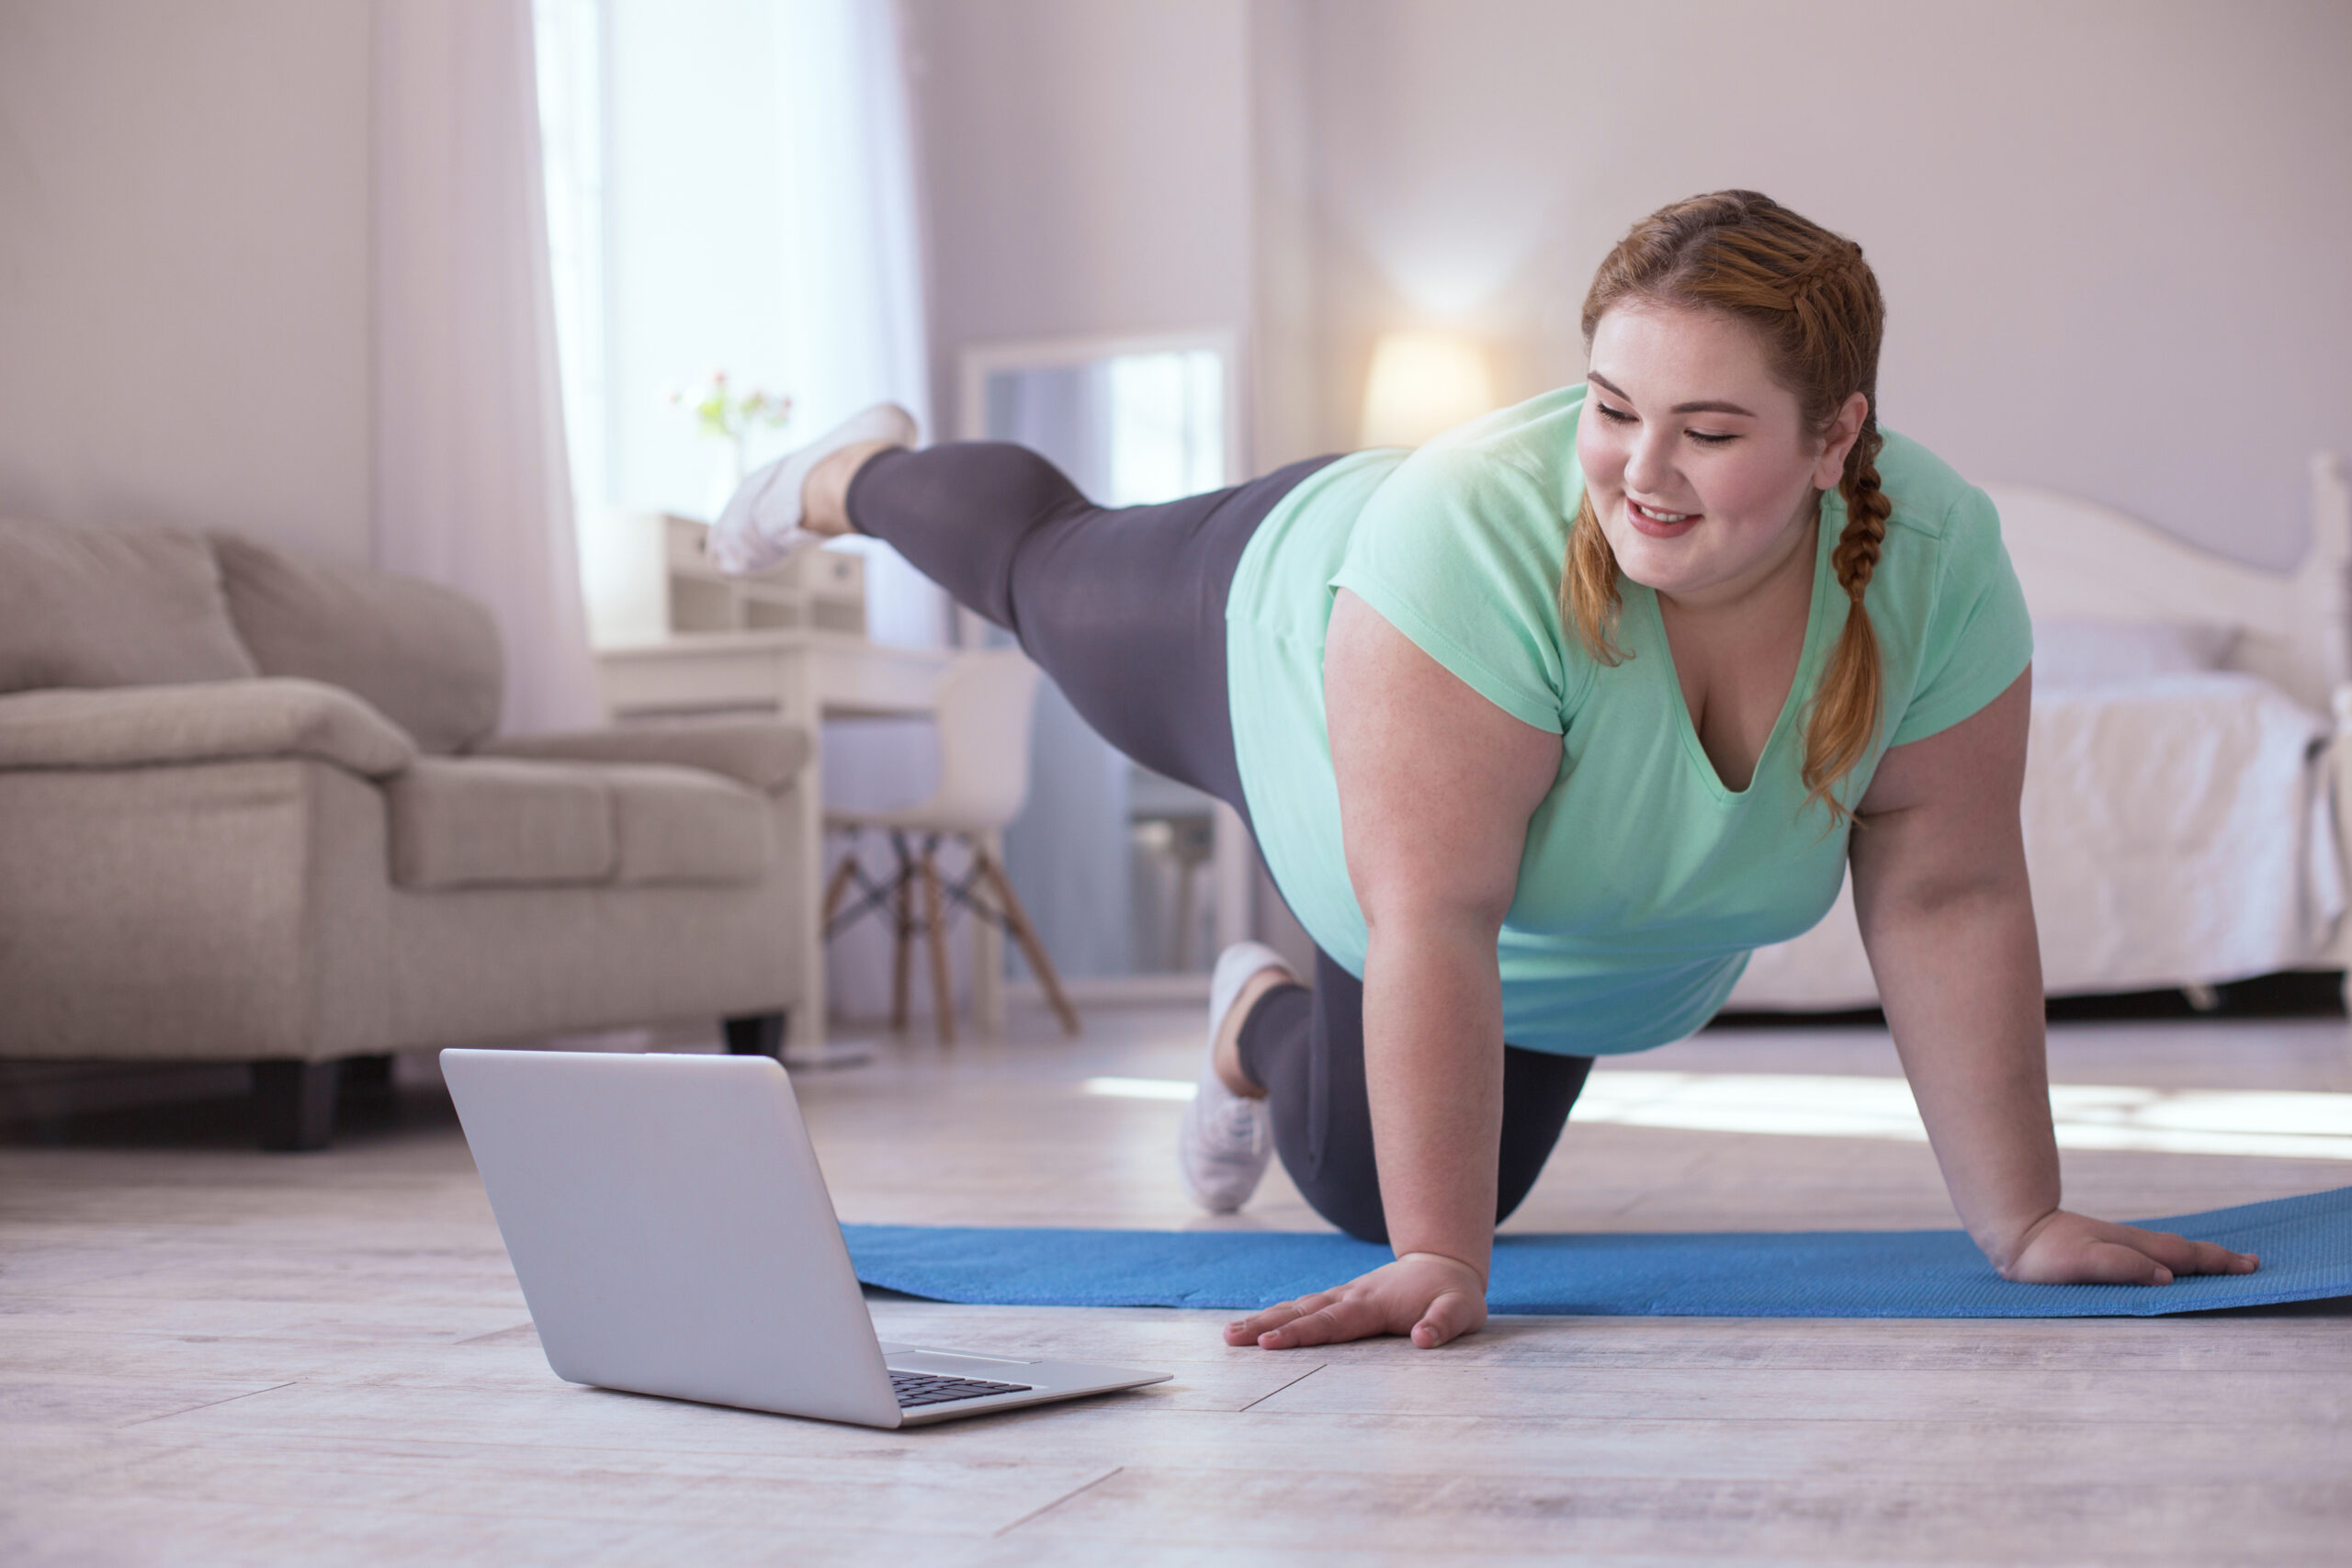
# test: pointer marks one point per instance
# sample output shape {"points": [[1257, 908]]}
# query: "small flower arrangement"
{"points": [[732, 416]]}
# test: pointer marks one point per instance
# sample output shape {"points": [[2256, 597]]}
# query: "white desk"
{"points": [[808, 676], [796, 674]]}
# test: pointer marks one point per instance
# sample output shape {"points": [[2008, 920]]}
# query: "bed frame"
{"points": [[2080, 562]]}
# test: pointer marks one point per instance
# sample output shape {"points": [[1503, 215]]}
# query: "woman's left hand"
{"points": [[2063, 1248]]}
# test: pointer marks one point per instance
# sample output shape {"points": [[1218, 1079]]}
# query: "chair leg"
{"points": [[902, 925], [755, 1034], [294, 1104], [838, 887], [1184, 869], [934, 920], [1031, 948]]}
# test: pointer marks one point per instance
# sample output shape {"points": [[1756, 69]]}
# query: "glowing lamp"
{"points": [[1422, 383]]}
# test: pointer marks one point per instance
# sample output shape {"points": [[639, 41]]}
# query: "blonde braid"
{"points": [[1845, 715]]}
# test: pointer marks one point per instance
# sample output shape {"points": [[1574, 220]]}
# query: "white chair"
{"points": [[982, 709], [1175, 824]]}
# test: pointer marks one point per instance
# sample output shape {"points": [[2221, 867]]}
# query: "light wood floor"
{"points": [[209, 1355]]}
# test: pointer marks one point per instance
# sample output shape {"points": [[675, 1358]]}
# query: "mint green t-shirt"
{"points": [[1645, 882]]}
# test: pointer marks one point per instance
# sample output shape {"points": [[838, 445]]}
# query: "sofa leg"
{"points": [[759, 1034], [294, 1103], [367, 1073]]}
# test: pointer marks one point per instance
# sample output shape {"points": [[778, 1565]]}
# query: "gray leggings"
{"points": [[1124, 608]]}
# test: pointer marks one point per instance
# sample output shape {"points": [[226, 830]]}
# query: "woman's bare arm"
{"points": [[1436, 786], [1939, 887]]}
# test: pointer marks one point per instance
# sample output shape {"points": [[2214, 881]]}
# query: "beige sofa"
{"points": [[253, 808]]}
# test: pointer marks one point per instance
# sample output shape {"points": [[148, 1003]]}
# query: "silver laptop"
{"points": [[672, 1236]]}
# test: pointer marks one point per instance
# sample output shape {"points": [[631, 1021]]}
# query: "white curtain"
{"points": [[854, 311], [853, 284], [472, 489]]}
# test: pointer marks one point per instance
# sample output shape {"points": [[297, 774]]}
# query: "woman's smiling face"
{"points": [[1700, 465]]}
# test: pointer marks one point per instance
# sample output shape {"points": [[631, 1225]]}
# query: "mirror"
{"points": [[1126, 873]]}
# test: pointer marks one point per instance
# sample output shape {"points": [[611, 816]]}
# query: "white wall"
{"points": [[2115, 235], [185, 265], [1087, 166]]}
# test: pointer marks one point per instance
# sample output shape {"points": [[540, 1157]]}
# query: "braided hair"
{"points": [[1815, 306]]}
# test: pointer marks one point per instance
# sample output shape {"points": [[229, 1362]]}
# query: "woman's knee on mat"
{"points": [[1352, 1202]]}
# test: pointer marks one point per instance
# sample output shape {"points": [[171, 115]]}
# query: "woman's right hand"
{"points": [[1431, 1297], [1436, 785]]}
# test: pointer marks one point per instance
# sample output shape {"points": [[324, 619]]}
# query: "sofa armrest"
{"points": [[767, 754], [205, 721]]}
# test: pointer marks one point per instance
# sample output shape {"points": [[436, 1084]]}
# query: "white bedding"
{"points": [[2177, 831]]}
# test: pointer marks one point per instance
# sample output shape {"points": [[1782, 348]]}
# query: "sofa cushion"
{"points": [[765, 753], [111, 607], [485, 823], [686, 825], [499, 822], [427, 657]]}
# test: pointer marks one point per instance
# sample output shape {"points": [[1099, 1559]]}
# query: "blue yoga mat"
{"points": [[2305, 1245]]}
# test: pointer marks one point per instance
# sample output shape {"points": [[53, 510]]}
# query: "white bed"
{"points": [[2190, 763]]}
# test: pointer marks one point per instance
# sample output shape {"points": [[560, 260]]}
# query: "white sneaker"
{"points": [[1226, 1138], [761, 524]]}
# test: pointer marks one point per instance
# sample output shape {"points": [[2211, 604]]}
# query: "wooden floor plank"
{"points": [[208, 1354], [2222, 1400], [1823, 1521]]}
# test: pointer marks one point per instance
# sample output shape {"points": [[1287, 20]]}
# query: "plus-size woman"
{"points": [[1541, 729]]}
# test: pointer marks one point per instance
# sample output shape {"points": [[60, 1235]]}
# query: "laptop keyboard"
{"points": [[928, 1388]]}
